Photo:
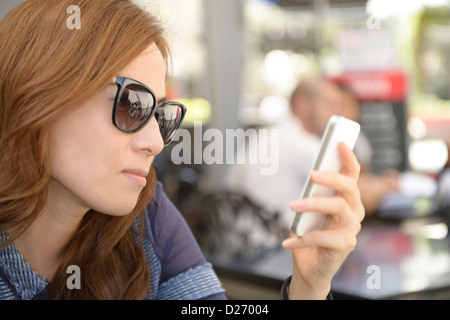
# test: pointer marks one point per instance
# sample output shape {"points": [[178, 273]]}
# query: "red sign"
{"points": [[375, 86]]}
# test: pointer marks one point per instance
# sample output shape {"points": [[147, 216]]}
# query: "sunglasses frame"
{"points": [[122, 83]]}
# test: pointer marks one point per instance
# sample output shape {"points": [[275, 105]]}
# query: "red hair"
{"points": [[46, 69]]}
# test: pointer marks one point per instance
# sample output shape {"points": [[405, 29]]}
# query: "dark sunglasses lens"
{"points": [[169, 120], [134, 107]]}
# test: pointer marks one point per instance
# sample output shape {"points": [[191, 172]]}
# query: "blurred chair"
{"points": [[230, 227]]}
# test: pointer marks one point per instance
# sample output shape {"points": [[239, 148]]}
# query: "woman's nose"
{"points": [[149, 139]]}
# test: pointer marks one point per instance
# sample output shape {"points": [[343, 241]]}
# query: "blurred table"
{"points": [[410, 259], [392, 260]]}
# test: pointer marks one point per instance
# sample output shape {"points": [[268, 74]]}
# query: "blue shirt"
{"points": [[179, 270]]}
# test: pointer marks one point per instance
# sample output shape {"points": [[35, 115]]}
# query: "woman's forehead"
{"points": [[150, 69]]}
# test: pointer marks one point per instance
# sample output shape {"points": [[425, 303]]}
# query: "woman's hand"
{"points": [[318, 254]]}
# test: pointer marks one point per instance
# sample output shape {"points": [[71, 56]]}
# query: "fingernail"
{"points": [[287, 243], [298, 205], [317, 175]]}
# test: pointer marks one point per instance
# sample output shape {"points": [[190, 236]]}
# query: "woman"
{"points": [[83, 113]]}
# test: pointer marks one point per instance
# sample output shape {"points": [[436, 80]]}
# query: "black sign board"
{"points": [[382, 97]]}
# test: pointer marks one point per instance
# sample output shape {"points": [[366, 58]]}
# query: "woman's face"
{"points": [[94, 164]]}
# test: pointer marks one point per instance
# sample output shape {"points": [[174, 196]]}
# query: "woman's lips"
{"points": [[137, 175]]}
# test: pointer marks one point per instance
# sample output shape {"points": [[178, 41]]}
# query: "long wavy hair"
{"points": [[46, 69]]}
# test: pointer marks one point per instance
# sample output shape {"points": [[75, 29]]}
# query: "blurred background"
{"points": [[236, 63]]}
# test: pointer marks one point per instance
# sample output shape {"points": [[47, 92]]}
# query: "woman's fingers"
{"points": [[340, 214], [337, 181], [329, 205], [345, 210], [350, 165], [346, 188], [326, 239]]}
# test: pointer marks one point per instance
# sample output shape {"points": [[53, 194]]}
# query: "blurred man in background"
{"points": [[313, 102]]}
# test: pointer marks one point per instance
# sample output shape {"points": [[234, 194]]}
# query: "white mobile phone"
{"points": [[339, 129]]}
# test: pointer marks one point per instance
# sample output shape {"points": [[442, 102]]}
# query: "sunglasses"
{"points": [[135, 105]]}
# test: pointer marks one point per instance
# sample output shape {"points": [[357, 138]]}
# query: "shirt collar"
{"points": [[22, 278]]}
